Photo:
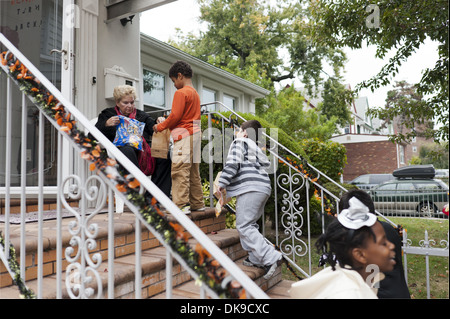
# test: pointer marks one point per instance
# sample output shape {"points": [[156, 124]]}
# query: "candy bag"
{"points": [[221, 196], [129, 132]]}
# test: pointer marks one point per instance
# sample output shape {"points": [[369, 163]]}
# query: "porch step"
{"points": [[153, 256], [124, 230], [154, 274], [275, 287]]}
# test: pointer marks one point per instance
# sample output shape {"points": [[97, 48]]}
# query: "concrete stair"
{"points": [[153, 259]]}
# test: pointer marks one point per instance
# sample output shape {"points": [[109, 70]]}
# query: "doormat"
{"points": [[32, 217]]}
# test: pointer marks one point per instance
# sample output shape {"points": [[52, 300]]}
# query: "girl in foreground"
{"points": [[356, 247]]}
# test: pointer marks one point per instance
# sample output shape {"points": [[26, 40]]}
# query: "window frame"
{"points": [[162, 74]]}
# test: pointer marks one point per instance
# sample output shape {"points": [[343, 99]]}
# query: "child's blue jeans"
{"points": [[250, 208]]}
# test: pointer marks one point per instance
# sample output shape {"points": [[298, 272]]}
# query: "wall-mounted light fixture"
{"points": [[124, 21]]}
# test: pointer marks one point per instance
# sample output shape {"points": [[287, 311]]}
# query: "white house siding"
{"points": [[158, 56]]}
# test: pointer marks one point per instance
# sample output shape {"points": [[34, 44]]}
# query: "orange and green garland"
{"points": [[196, 258]]}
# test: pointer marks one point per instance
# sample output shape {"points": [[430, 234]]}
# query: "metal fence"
{"points": [[426, 249], [415, 199]]}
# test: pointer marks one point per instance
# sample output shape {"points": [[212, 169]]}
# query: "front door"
{"points": [[40, 30]]}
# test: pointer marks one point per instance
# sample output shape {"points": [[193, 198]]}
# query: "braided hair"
{"points": [[337, 242]]}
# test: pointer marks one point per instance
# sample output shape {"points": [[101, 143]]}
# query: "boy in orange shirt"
{"points": [[184, 123]]}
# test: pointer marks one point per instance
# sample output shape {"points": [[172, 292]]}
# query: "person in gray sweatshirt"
{"points": [[244, 176]]}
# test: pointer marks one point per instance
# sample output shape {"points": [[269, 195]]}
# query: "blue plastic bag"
{"points": [[129, 132]]}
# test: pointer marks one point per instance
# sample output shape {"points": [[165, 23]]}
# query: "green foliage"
{"points": [[328, 157], [266, 42], [415, 160], [261, 41], [336, 101], [436, 154], [405, 105], [403, 27], [286, 110]]}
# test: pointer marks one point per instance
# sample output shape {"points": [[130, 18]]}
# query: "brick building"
{"points": [[371, 154]]}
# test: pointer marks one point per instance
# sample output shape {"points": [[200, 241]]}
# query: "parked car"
{"points": [[367, 181], [409, 197], [442, 173]]}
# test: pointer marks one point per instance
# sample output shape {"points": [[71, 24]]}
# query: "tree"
{"points": [[405, 105], [436, 154], [392, 25], [336, 101], [262, 43], [286, 111]]}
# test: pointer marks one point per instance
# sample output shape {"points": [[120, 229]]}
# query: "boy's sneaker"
{"points": [[201, 209], [248, 263], [186, 209], [270, 269]]}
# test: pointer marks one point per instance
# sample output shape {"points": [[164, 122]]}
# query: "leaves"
{"points": [[286, 111], [410, 112], [263, 42], [404, 27]]}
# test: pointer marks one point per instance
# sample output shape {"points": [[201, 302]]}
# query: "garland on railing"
{"points": [[198, 258], [25, 292], [303, 167]]}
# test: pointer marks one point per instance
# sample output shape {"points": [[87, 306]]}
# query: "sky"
{"points": [[161, 23]]}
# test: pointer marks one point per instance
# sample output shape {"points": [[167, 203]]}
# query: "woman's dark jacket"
{"points": [[110, 131]]}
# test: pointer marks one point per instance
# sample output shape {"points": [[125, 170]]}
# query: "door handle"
{"points": [[58, 51], [65, 56]]}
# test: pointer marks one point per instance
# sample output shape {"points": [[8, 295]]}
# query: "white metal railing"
{"points": [[289, 184], [63, 115], [426, 249]]}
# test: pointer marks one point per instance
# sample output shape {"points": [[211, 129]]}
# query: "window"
{"points": [[363, 179], [405, 187], [386, 190], [426, 186], [154, 89], [402, 154], [208, 97], [229, 101]]}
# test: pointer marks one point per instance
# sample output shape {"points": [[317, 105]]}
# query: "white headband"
{"points": [[357, 215]]}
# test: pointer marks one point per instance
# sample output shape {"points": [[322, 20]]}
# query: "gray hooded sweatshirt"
{"points": [[245, 169]]}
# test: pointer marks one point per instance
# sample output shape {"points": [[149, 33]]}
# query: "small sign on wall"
{"points": [[116, 76]]}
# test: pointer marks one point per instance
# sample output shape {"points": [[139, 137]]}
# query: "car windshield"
{"points": [[363, 179]]}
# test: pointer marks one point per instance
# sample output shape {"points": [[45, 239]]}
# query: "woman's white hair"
{"points": [[122, 91]]}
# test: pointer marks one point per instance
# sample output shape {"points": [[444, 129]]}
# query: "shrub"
{"points": [[329, 157]]}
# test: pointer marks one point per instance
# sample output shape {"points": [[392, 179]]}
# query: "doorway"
{"points": [[36, 28]]}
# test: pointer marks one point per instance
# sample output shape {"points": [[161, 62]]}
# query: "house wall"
{"points": [[158, 57], [376, 157], [104, 49], [369, 158]]}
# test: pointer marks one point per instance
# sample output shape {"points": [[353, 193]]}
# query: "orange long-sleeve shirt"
{"points": [[185, 110]]}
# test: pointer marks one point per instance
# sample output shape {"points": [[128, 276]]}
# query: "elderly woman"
{"points": [[107, 122]]}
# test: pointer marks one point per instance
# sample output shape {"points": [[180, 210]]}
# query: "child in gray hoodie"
{"points": [[244, 176]]}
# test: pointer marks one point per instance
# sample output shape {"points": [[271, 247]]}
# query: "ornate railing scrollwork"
{"points": [[82, 266], [292, 218]]}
